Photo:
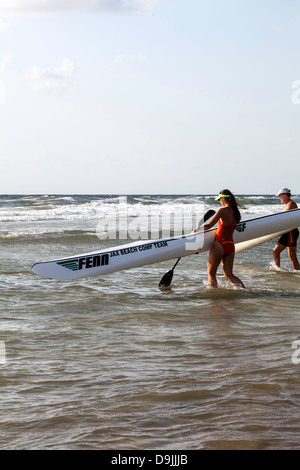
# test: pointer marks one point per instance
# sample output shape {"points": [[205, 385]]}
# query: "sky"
{"points": [[149, 96]]}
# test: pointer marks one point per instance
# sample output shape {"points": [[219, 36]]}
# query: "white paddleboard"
{"points": [[256, 241], [248, 233]]}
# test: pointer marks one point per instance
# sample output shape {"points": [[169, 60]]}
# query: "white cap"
{"points": [[283, 191]]}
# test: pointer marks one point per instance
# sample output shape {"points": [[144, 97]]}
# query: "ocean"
{"points": [[114, 362]]}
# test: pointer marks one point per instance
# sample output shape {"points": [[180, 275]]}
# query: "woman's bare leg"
{"points": [[227, 269], [214, 259]]}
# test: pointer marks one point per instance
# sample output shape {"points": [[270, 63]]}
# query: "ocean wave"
{"points": [[45, 234], [78, 208]]}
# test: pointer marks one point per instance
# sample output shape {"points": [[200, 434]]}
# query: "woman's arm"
{"points": [[214, 219]]}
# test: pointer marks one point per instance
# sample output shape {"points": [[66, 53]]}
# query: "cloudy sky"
{"points": [[149, 96]]}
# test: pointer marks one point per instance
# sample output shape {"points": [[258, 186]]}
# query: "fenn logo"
{"points": [[85, 262], [241, 227]]}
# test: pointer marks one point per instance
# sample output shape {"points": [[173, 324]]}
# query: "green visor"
{"points": [[222, 195]]}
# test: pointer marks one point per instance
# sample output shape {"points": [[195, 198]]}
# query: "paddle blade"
{"points": [[166, 279], [209, 214], [206, 216]]}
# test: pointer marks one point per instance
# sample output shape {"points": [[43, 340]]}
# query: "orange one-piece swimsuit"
{"points": [[225, 241]]}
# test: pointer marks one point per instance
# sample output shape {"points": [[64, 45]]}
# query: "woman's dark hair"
{"points": [[234, 204]]}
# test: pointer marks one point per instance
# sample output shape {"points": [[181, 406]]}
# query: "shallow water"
{"points": [[117, 363]]}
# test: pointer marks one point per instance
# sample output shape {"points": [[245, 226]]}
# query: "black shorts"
{"points": [[290, 238]]}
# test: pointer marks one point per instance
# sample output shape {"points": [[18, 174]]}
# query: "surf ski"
{"points": [[248, 233]]}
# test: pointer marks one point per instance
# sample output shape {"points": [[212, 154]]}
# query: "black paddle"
{"points": [[167, 278]]}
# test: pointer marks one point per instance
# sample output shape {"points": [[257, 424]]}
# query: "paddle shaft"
{"points": [[167, 278]]}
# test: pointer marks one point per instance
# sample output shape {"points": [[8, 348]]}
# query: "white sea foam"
{"points": [[146, 216]]}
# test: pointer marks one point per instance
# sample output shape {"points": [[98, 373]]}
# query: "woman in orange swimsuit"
{"points": [[223, 248]]}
